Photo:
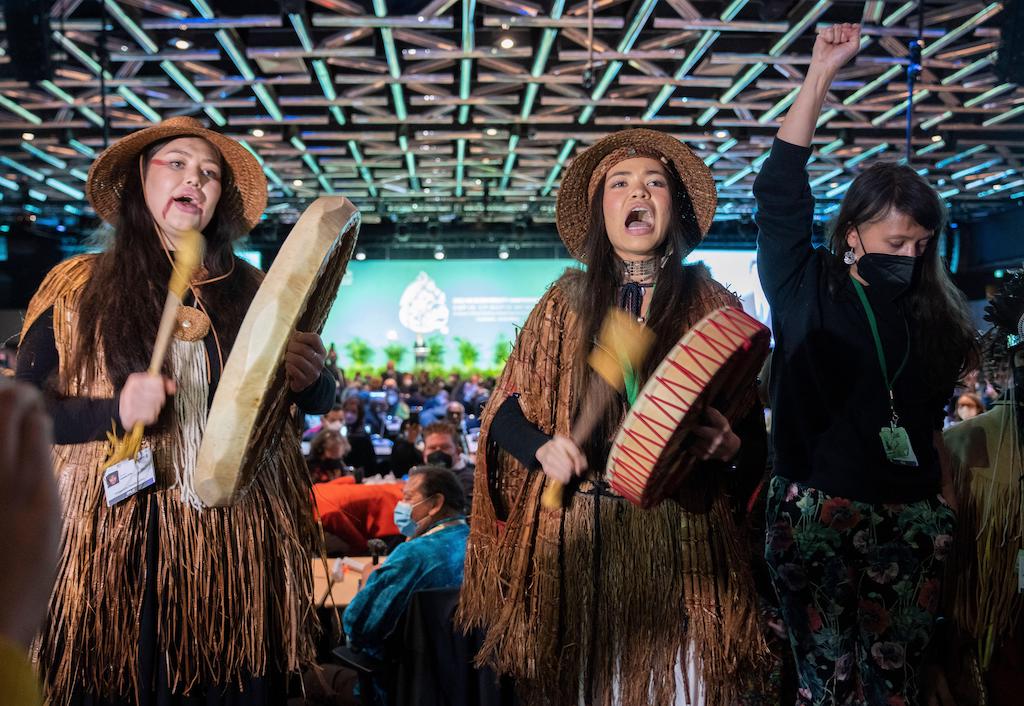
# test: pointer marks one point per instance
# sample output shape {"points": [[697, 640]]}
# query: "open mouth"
{"points": [[187, 204], [639, 220]]}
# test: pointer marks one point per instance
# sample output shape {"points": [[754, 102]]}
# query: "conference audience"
{"points": [[362, 455], [405, 453], [333, 420], [441, 447], [968, 406], [326, 457]]}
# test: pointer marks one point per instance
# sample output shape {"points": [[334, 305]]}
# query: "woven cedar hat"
{"points": [[243, 191], [572, 211]]}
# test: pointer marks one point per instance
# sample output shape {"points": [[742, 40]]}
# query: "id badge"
{"points": [[125, 479], [897, 447]]}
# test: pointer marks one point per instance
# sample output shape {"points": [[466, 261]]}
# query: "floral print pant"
{"points": [[859, 587]]}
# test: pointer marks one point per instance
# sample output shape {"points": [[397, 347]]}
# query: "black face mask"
{"points": [[440, 458], [889, 275]]}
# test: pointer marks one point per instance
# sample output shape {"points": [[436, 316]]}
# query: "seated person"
{"points": [[442, 447], [472, 394], [332, 420], [431, 514], [326, 456], [968, 406], [362, 455], [455, 414], [405, 454], [435, 406]]}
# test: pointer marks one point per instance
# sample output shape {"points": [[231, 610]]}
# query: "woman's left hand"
{"points": [[716, 440], [303, 360]]}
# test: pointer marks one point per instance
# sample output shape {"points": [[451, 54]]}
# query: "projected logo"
{"points": [[422, 308]]}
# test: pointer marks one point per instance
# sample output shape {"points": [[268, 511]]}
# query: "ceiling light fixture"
{"points": [[297, 182], [439, 252], [28, 136], [360, 255], [507, 43], [256, 132], [182, 44], [503, 252]]}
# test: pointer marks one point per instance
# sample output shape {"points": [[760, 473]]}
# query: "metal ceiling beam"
{"points": [[696, 54], [780, 46]]}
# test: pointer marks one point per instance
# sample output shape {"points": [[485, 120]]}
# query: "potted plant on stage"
{"points": [[360, 353], [469, 354], [395, 352]]}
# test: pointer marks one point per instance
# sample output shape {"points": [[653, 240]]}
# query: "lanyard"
{"points": [[453, 521], [629, 377], [889, 382]]}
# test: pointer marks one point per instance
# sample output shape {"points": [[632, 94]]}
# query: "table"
{"points": [[330, 592], [357, 513]]}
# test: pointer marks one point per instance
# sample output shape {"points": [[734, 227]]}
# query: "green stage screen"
{"points": [[389, 303]]}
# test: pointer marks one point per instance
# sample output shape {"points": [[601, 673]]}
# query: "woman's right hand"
{"points": [[561, 459], [835, 46], [142, 398]]}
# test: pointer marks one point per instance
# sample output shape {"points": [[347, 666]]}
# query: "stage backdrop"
{"points": [[465, 313]]}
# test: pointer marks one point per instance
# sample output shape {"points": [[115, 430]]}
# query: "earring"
{"points": [[665, 258], [849, 258]]}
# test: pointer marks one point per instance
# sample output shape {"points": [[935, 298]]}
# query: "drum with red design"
{"points": [[715, 364]]}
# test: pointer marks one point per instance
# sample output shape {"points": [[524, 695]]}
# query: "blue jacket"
{"points": [[430, 561]]}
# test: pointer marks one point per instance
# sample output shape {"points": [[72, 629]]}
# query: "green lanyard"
{"points": [[629, 376], [889, 382]]}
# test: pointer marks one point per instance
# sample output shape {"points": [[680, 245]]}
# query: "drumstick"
{"points": [[187, 257], [621, 342]]}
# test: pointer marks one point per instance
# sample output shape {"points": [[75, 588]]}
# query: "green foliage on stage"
{"points": [[395, 351], [360, 353], [469, 353], [502, 350], [435, 351], [361, 357]]}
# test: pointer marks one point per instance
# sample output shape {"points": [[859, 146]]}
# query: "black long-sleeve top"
{"points": [[829, 400], [80, 419]]}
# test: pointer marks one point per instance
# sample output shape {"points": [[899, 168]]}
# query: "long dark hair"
{"points": [[121, 305], [669, 313], [940, 323]]}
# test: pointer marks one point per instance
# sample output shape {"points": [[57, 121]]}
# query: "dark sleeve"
{"points": [[785, 212], [513, 432], [752, 461], [318, 398], [75, 419]]}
